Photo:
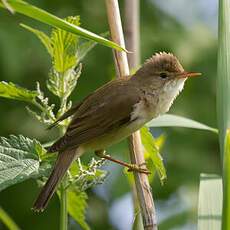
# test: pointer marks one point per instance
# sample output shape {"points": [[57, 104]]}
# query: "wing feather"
{"points": [[107, 108]]}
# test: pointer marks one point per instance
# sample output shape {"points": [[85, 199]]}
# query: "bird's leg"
{"points": [[131, 167]]}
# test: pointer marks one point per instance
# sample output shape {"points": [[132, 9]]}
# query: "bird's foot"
{"points": [[131, 167], [138, 168]]}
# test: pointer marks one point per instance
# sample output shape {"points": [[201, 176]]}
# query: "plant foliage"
{"points": [[50, 19], [19, 160], [210, 202], [11, 91], [152, 153], [22, 158]]}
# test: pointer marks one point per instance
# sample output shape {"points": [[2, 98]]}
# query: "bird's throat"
{"points": [[168, 94]]}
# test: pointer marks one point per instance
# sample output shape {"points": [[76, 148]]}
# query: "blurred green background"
{"points": [[186, 28]]}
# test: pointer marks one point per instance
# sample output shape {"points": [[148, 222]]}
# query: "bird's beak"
{"points": [[188, 74]]}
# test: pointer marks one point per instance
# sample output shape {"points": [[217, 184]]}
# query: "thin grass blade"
{"points": [[223, 103], [226, 185], [170, 120], [210, 202], [7, 220], [50, 19]]}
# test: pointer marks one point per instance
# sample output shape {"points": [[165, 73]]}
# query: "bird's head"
{"points": [[163, 76], [163, 69]]}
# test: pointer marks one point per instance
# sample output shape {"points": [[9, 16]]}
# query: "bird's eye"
{"points": [[163, 75]]}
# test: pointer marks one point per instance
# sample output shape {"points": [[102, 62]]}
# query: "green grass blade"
{"points": [[223, 102], [50, 19], [223, 80], [169, 120], [210, 202], [7, 6], [7, 220], [226, 185]]}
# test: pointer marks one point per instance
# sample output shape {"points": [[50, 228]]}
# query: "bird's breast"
{"points": [[168, 95], [143, 111]]}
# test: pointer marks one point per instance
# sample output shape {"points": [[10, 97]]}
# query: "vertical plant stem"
{"points": [[143, 189], [223, 103], [226, 183], [132, 32], [132, 41]]}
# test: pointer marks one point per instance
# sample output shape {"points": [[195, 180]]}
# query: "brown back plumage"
{"points": [[99, 114]]}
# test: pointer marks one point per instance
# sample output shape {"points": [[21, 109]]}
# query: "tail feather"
{"points": [[62, 164]]}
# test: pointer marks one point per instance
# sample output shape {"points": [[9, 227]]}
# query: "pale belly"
{"points": [[115, 136]]}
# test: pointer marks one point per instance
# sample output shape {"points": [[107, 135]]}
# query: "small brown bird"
{"points": [[113, 112]]}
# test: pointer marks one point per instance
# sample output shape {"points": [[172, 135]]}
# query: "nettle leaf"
{"points": [[152, 152], [46, 41], [12, 91], [64, 47], [19, 160], [85, 177], [77, 204], [60, 87], [85, 47], [46, 115]]}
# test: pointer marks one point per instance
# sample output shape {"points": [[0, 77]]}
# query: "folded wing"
{"points": [[107, 108]]}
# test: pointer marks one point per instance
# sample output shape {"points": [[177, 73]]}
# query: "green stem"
{"points": [[226, 183], [223, 105], [63, 99], [63, 203], [7, 220]]}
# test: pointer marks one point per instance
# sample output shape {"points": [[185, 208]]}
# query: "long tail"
{"points": [[62, 164]]}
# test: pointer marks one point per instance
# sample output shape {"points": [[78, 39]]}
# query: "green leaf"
{"points": [[46, 115], [19, 160], [210, 202], [77, 204], [63, 76], [169, 120], [7, 220], [223, 105], [223, 70], [47, 18], [87, 176], [226, 182], [159, 141], [86, 47], [46, 41], [63, 85], [65, 47], [12, 91], [7, 6], [152, 150]]}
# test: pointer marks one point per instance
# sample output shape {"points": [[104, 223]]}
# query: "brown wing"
{"points": [[107, 108], [68, 113]]}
